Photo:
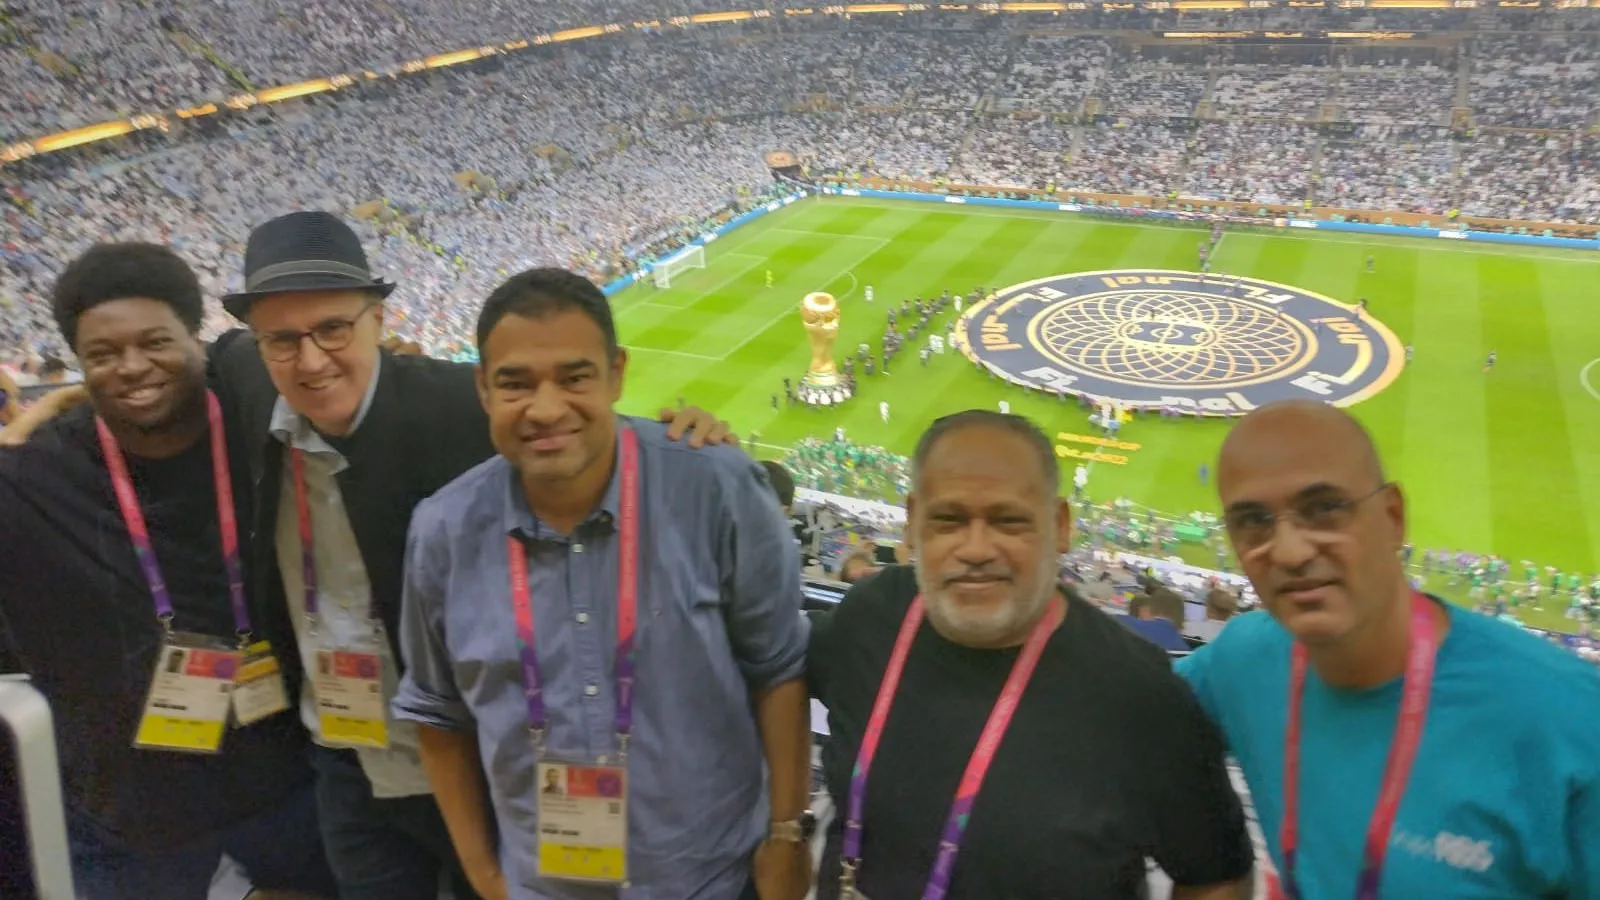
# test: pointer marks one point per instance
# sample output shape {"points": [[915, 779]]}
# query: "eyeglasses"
{"points": [[1320, 514], [330, 336]]}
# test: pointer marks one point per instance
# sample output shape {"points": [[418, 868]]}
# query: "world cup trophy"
{"points": [[822, 384], [820, 313]]}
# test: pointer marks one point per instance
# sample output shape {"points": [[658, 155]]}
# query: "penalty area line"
{"points": [[789, 310], [848, 291]]}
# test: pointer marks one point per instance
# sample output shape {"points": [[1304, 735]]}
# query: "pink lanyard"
{"points": [[627, 606], [308, 555], [977, 765], [139, 531], [1397, 771]]}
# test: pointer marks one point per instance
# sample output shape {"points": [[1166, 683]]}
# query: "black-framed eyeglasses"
{"points": [[1318, 514], [330, 336]]}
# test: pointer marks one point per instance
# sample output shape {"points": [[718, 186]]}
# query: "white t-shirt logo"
{"points": [[1454, 850], [1462, 852]]}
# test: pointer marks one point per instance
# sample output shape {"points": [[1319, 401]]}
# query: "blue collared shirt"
{"points": [[719, 618]]}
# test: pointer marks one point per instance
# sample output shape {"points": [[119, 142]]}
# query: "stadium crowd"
{"points": [[632, 144], [596, 158]]}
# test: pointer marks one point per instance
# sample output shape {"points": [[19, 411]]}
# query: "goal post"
{"points": [[692, 257]]}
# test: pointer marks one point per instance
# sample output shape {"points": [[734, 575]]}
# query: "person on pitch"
{"points": [[1396, 746], [1071, 751], [654, 596]]}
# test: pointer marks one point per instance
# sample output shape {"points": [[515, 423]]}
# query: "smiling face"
{"points": [[293, 330], [1312, 521], [987, 531], [548, 385], [144, 371]]}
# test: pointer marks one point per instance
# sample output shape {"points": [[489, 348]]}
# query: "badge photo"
{"points": [[351, 706], [190, 696], [583, 822]]}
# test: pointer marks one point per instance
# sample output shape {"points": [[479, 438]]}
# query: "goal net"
{"points": [[690, 258]]}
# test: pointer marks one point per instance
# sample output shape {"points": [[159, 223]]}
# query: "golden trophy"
{"points": [[822, 384], [820, 313]]}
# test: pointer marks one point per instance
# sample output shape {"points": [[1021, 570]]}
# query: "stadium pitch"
{"points": [[1504, 461]]}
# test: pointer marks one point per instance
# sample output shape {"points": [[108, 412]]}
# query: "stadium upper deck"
{"points": [[75, 63]]}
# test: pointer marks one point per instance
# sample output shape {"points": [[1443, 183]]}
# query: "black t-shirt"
{"points": [[1109, 760], [76, 615]]}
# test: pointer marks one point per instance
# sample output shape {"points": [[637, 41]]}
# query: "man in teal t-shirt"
{"points": [[1503, 798]]}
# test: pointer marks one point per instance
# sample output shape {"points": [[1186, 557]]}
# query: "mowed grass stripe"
{"points": [[975, 262], [1389, 292], [772, 344], [1433, 423], [721, 320], [893, 277], [1443, 459], [896, 277], [1536, 512], [1572, 326]]}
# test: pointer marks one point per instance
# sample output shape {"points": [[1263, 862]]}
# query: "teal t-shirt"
{"points": [[1504, 796]]}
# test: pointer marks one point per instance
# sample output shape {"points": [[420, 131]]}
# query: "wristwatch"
{"points": [[794, 831]]}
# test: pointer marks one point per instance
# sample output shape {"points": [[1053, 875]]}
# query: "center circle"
{"points": [[1176, 337]]}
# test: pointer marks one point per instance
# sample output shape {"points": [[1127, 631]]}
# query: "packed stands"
{"points": [[1264, 162], [1535, 80], [596, 153], [1143, 91], [1127, 157], [1268, 92]]}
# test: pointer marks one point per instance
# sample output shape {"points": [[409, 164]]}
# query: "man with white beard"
{"points": [[1071, 751]]}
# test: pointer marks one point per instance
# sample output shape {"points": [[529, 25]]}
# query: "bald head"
{"points": [[1314, 522], [1280, 432]]}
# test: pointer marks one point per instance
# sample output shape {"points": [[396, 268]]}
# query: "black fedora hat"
{"points": [[303, 251]]}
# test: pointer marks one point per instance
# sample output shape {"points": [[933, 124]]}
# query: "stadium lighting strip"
{"points": [[162, 121]]}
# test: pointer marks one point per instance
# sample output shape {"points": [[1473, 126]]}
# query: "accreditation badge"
{"points": [[583, 822], [351, 707], [190, 696], [258, 690]]}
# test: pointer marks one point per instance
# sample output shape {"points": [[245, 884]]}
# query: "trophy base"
{"points": [[824, 389]]}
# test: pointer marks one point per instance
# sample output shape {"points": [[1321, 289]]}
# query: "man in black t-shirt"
{"points": [[78, 616], [1107, 759]]}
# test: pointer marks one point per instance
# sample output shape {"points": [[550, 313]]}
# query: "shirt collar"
{"points": [[295, 430], [519, 519]]}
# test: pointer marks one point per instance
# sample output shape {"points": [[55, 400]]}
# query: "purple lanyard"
{"points": [[994, 730], [139, 531], [627, 607], [308, 557]]}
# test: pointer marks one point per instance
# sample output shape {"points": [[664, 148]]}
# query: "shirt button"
{"points": [[583, 618], [591, 691], [577, 548]]}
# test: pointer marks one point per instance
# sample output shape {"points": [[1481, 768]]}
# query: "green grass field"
{"points": [[1505, 462]]}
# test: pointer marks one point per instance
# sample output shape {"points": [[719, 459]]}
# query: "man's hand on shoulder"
{"points": [[48, 407], [702, 427]]}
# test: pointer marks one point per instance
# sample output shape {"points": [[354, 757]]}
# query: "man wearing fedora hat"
{"points": [[345, 439], [369, 435]]}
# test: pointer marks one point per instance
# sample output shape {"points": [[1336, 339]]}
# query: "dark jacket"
{"points": [[77, 616], [425, 427]]}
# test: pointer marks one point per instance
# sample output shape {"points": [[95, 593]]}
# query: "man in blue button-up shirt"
{"points": [[719, 628]]}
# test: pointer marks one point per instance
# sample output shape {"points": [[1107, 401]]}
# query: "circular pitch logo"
{"points": [[1212, 344]]}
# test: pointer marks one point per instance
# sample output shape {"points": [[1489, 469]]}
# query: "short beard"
{"points": [[1004, 626], [186, 413]]}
